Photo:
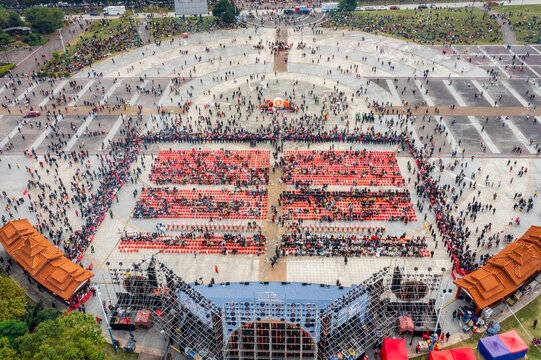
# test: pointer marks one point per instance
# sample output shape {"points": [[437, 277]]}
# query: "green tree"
{"points": [[47, 314], [14, 19], [4, 38], [44, 20], [347, 5], [12, 329], [6, 352], [12, 300], [71, 337], [225, 10]]}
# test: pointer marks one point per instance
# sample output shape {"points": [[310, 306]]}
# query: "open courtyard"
{"points": [[344, 159]]}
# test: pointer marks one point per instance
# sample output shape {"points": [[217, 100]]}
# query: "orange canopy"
{"points": [[505, 272], [42, 260]]}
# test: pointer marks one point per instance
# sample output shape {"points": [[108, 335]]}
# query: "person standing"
{"points": [[534, 324]]}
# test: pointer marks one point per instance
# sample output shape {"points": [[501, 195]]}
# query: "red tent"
{"points": [[441, 355], [405, 324], [394, 349], [463, 354], [453, 354], [514, 342]]}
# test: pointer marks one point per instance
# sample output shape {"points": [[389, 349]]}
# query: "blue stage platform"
{"points": [[315, 294]]}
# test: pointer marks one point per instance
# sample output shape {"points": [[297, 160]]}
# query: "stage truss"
{"points": [[270, 328]]}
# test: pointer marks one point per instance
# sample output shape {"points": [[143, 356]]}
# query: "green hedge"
{"points": [[4, 69]]}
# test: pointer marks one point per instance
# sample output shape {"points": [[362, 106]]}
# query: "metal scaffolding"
{"points": [[273, 328], [191, 322]]}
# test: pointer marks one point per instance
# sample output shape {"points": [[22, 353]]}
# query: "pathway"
{"points": [[508, 33], [280, 58]]}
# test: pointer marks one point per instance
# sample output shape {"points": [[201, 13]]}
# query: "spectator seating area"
{"points": [[356, 205], [188, 243], [335, 227], [201, 204], [351, 168], [249, 226], [309, 244], [239, 167]]}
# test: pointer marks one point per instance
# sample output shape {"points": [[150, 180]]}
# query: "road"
{"points": [[26, 58]]}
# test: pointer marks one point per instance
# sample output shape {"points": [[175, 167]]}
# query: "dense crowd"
{"points": [[354, 205], [173, 26], [206, 204], [357, 168], [451, 228], [102, 39], [54, 198], [301, 244], [175, 133], [206, 242], [240, 167], [453, 26]]}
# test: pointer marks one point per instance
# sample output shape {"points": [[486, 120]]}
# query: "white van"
{"points": [[114, 10]]}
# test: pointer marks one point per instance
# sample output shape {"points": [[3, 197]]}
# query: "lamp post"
{"points": [[427, 20], [435, 335], [64, 48], [135, 23], [97, 290]]}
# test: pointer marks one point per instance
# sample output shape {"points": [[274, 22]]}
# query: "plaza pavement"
{"points": [[484, 146]]}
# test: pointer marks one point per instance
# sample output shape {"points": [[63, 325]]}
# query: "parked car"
{"points": [[432, 6], [381, 7], [370, 8], [289, 11], [32, 114], [393, 7], [422, 6], [358, 8], [494, 3]]}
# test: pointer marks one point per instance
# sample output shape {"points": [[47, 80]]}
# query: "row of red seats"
{"points": [[199, 244], [337, 205], [351, 168], [201, 204], [243, 167]]}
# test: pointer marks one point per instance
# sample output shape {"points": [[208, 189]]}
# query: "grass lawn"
{"points": [[120, 355], [446, 26], [525, 20], [526, 316], [102, 39], [172, 26]]}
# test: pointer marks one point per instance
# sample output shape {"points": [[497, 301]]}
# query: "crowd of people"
{"points": [[452, 230], [450, 26], [310, 244], [176, 133], [101, 39], [218, 167], [91, 203], [353, 205], [205, 242], [172, 26], [201, 204], [357, 168]]}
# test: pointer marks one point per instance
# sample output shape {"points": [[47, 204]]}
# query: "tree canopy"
{"points": [[12, 329], [44, 20], [347, 5], [6, 352], [9, 18], [225, 10], [12, 300], [71, 337]]}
